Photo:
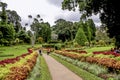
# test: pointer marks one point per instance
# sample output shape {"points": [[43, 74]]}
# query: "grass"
{"points": [[40, 71], [80, 72], [14, 50], [45, 74], [35, 74], [98, 49]]}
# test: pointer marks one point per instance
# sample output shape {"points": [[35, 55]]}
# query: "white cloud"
{"points": [[69, 15], [96, 20], [50, 10], [57, 3]]}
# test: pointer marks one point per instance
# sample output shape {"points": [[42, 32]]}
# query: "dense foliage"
{"points": [[67, 30], [108, 9]]}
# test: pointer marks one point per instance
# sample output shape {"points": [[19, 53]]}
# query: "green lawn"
{"points": [[98, 48], [15, 50]]}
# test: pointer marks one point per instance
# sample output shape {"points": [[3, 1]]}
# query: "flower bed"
{"points": [[106, 53], [17, 68], [108, 62]]}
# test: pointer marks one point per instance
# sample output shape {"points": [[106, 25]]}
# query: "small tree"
{"points": [[80, 37]]}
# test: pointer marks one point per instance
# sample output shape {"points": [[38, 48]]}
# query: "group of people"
{"points": [[115, 50], [48, 51]]}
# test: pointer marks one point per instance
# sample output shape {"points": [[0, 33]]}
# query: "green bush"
{"points": [[59, 46]]}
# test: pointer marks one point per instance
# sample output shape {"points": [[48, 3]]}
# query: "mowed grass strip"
{"points": [[80, 72], [45, 74]]}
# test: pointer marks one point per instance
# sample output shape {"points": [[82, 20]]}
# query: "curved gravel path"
{"points": [[58, 71]]}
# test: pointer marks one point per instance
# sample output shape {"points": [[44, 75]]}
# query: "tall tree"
{"points": [[6, 30], [101, 34], [108, 9], [87, 32], [80, 37], [64, 29], [15, 19], [40, 29], [3, 14], [92, 27]]}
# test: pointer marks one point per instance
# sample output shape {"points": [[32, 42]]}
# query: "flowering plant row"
{"points": [[19, 69], [106, 53], [108, 62]]}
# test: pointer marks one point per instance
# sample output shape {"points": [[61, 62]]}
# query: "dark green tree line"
{"points": [[10, 27], [67, 30], [7, 31]]}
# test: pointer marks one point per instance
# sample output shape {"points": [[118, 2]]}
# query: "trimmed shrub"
{"points": [[59, 46], [80, 37]]}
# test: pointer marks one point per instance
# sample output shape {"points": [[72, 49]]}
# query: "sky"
{"points": [[49, 10]]}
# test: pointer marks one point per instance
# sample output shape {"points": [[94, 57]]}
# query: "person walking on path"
{"points": [[40, 51], [48, 51]]}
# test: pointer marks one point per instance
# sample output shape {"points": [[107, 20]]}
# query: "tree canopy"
{"points": [[108, 9], [40, 28], [64, 29], [15, 19]]}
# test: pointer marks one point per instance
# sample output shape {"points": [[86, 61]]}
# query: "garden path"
{"points": [[58, 71]]}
